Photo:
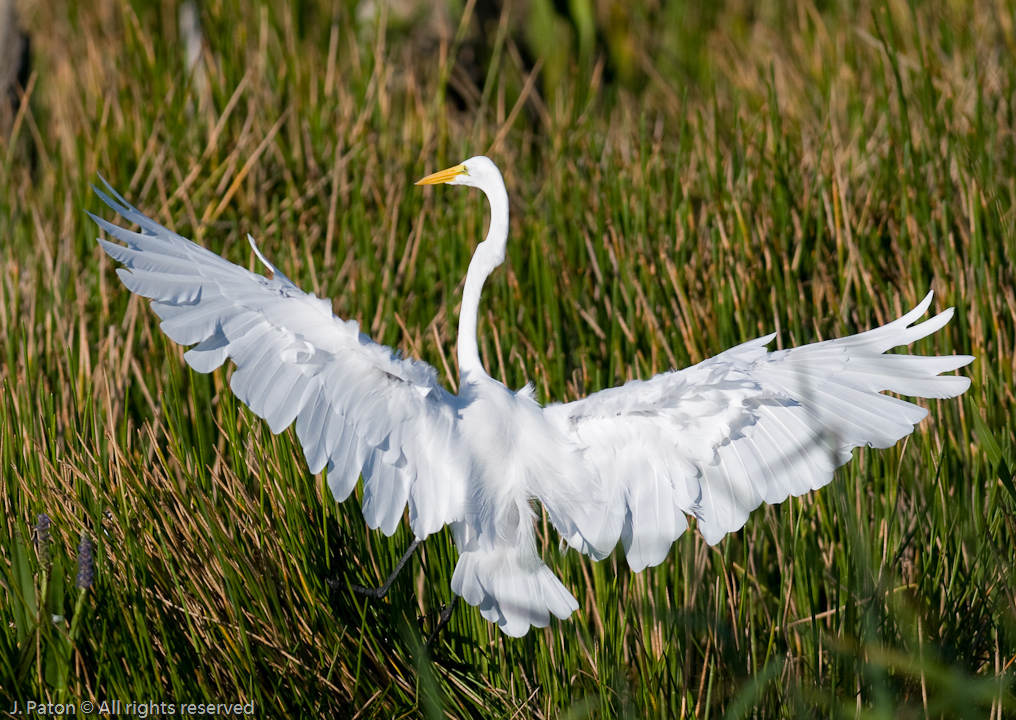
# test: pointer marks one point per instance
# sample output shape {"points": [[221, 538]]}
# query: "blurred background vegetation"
{"points": [[683, 177]]}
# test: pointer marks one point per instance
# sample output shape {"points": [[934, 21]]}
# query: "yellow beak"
{"points": [[444, 176]]}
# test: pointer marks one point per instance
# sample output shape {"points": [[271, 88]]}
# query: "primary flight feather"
{"points": [[630, 463]]}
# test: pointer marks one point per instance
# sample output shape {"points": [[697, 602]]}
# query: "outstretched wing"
{"points": [[748, 426], [358, 407]]}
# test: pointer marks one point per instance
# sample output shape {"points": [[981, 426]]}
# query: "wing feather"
{"points": [[286, 401], [748, 426], [347, 457], [357, 406]]}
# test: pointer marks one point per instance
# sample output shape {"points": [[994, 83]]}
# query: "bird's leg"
{"points": [[379, 592], [442, 620]]}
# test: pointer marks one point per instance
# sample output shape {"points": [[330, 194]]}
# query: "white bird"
{"points": [[713, 441]]}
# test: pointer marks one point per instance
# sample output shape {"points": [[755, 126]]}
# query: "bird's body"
{"points": [[714, 440], [513, 454]]}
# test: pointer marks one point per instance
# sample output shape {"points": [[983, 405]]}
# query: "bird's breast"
{"points": [[500, 431]]}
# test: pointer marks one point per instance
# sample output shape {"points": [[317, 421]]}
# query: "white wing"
{"points": [[748, 426], [358, 407]]}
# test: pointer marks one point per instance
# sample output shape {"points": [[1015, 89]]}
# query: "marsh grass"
{"points": [[813, 172]]}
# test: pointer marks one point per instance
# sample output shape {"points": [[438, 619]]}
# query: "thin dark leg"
{"points": [[378, 592], [443, 619]]}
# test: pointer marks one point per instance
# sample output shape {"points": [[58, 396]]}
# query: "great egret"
{"points": [[714, 440]]}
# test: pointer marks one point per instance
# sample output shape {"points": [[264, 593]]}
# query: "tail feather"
{"points": [[512, 588]]}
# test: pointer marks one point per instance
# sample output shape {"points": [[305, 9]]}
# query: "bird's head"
{"points": [[479, 172]]}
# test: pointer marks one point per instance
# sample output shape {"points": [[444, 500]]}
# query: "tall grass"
{"points": [[810, 170]]}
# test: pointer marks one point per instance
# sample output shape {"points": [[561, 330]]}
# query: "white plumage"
{"points": [[713, 441]]}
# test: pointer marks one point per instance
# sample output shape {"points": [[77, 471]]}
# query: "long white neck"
{"points": [[489, 254]]}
